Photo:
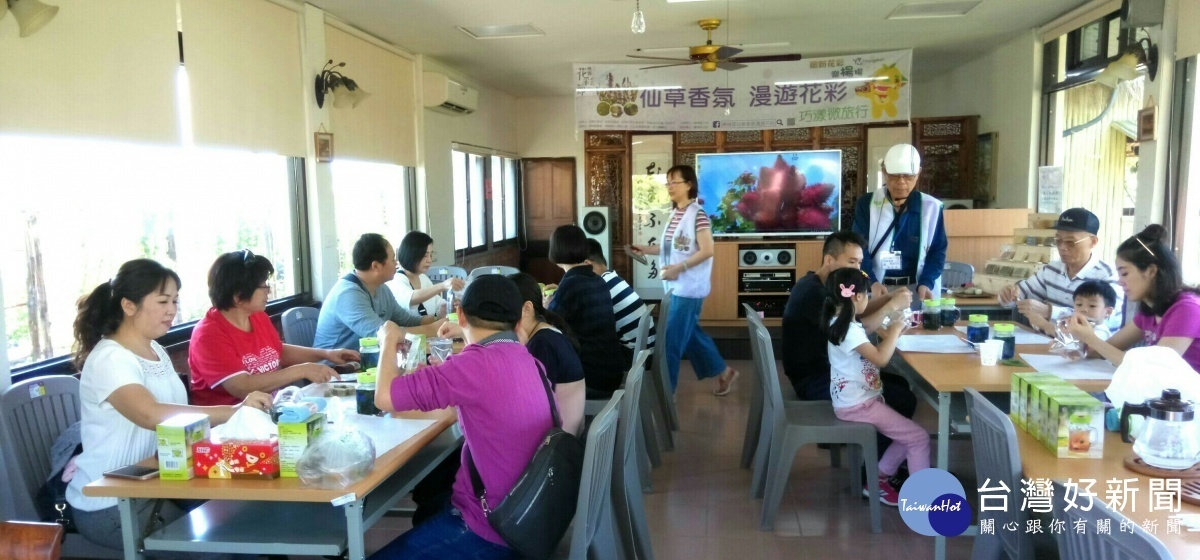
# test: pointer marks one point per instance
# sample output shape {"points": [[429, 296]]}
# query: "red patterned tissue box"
{"points": [[236, 459]]}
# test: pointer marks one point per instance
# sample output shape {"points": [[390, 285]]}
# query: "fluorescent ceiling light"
{"points": [[833, 81], [921, 10], [502, 31], [682, 1], [742, 46], [591, 89]]}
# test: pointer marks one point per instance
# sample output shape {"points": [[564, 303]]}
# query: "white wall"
{"points": [[1152, 155], [493, 125], [546, 129], [1003, 87]]}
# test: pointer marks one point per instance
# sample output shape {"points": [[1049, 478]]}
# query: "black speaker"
{"points": [[595, 225]]}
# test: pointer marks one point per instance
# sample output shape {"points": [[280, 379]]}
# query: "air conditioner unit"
{"points": [[448, 96]]}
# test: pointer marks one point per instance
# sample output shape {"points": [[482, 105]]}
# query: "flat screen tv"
{"points": [[771, 193]]}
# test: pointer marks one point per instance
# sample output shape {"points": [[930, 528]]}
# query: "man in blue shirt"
{"points": [[904, 229], [359, 303]]}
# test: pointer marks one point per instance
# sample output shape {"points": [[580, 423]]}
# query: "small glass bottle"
{"points": [[1007, 333], [368, 350], [950, 313], [364, 393], [977, 329], [931, 314]]}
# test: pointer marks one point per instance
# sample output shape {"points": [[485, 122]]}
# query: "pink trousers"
{"points": [[909, 441]]}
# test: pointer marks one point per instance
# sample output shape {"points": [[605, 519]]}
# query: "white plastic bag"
{"points": [[337, 459]]}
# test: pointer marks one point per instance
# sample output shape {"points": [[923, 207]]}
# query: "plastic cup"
{"points": [[441, 348], [989, 352]]}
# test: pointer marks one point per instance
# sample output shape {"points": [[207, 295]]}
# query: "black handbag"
{"points": [[537, 512], [51, 500]]}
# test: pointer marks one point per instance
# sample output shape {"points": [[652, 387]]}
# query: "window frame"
{"points": [[301, 279], [493, 179]]}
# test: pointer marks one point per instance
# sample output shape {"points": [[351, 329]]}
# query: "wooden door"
{"points": [[549, 195]]}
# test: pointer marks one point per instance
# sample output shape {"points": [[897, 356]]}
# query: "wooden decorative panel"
{"points": [[684, 157], [941, 170], [604, 176], [699, 138], [744, 137], [852, 185], [942, 129], [606, 140], [847, 132], [740, 149], [793, 135]]}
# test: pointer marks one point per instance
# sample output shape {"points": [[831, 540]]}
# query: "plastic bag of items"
{"points": [[1065, 344], [337, 459], [905, 315]]}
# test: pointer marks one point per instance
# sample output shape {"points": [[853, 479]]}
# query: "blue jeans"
{"points": [[443, 536], [685, 337]]}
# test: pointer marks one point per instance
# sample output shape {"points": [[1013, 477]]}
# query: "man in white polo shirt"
{"points": [[1049, 293]]}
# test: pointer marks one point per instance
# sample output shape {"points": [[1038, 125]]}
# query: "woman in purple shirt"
{"points": [[502, 406], [1168, 311]]}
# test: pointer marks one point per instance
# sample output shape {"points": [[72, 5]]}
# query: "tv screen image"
{"points": [[771, 193]]}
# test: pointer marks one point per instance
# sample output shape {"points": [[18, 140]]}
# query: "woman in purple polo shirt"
{"points": [[1168, 311], [503, 408]]}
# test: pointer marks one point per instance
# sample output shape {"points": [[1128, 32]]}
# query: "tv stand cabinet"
{"points": [[722, 307]]}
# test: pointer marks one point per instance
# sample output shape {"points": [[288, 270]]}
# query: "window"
{"points": [[369, 198], [485, 200], [75, 209]]}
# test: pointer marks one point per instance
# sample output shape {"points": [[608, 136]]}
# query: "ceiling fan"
{"points": [[710, 56]]}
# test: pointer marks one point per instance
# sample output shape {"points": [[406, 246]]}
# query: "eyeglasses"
{"points": [[1068, 242], [899, 177], [676, 183], [432, 255], [266, 287]]}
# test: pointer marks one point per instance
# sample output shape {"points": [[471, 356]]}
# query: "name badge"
{"points": [[890, 260]]}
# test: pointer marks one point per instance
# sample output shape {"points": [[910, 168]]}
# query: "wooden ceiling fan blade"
{"points": [[768, 58], [726, 52], [667, 65], [658, 58], [729, 65]]}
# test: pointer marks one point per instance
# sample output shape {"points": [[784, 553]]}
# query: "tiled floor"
{"points": [[701, 506]]}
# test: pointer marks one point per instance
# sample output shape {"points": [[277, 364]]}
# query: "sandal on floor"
{"points": [[724, 388]]}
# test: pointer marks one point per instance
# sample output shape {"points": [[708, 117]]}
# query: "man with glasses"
{"points": [[904, 230], [1049, 294]]}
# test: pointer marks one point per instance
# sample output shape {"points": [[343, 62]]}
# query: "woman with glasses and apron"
{"points": [[686, 266]]}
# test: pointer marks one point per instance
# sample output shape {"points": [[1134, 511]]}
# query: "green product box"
{"points": [[175, 438], [1018, 405], [294, 439], [1047, 415], [1033, 401], [1077, 428]]}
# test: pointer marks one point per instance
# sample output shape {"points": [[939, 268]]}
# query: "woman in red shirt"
{"points": [[235, 348]]}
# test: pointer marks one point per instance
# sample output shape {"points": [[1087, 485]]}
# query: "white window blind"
{"points": [[383, 128], [100, 69], [244, 68]]}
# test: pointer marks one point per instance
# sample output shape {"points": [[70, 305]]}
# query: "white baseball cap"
{"points": [[902, 159]]}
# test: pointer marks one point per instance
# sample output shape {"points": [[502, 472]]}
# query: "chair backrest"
{"points": [[627, 432], [300, 325], [955, 274], [998, 459], [501, 270], [595, 486], [20, 540], [32, 415], [442, 273], [659, 365], [1091, 543], [643, 334], [754, 324], [773, 395]]}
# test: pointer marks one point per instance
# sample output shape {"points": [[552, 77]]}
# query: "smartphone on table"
{"points": [[134, 472]]}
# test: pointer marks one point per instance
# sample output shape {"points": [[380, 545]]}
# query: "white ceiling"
{"points": [[579, 31]]}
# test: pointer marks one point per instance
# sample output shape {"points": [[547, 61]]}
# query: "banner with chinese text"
{"points": [[765, 95]]}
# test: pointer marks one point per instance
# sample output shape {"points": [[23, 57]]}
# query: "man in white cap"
{"points": [[904, 229]]}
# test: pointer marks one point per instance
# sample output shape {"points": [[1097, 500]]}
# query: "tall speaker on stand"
{"points": [[596, 225]]}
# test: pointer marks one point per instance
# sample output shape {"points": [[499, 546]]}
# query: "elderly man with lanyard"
{"points": [[1049, 293], [904, 229]]}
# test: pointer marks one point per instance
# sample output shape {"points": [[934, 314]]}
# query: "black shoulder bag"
{"points": [[536, 513]]}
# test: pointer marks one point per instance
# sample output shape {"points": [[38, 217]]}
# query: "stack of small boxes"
{"points": [[1032, 248], [1066, 419]]}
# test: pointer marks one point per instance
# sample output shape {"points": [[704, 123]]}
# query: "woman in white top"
{"points": [[127, 387], [415, 255]]}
